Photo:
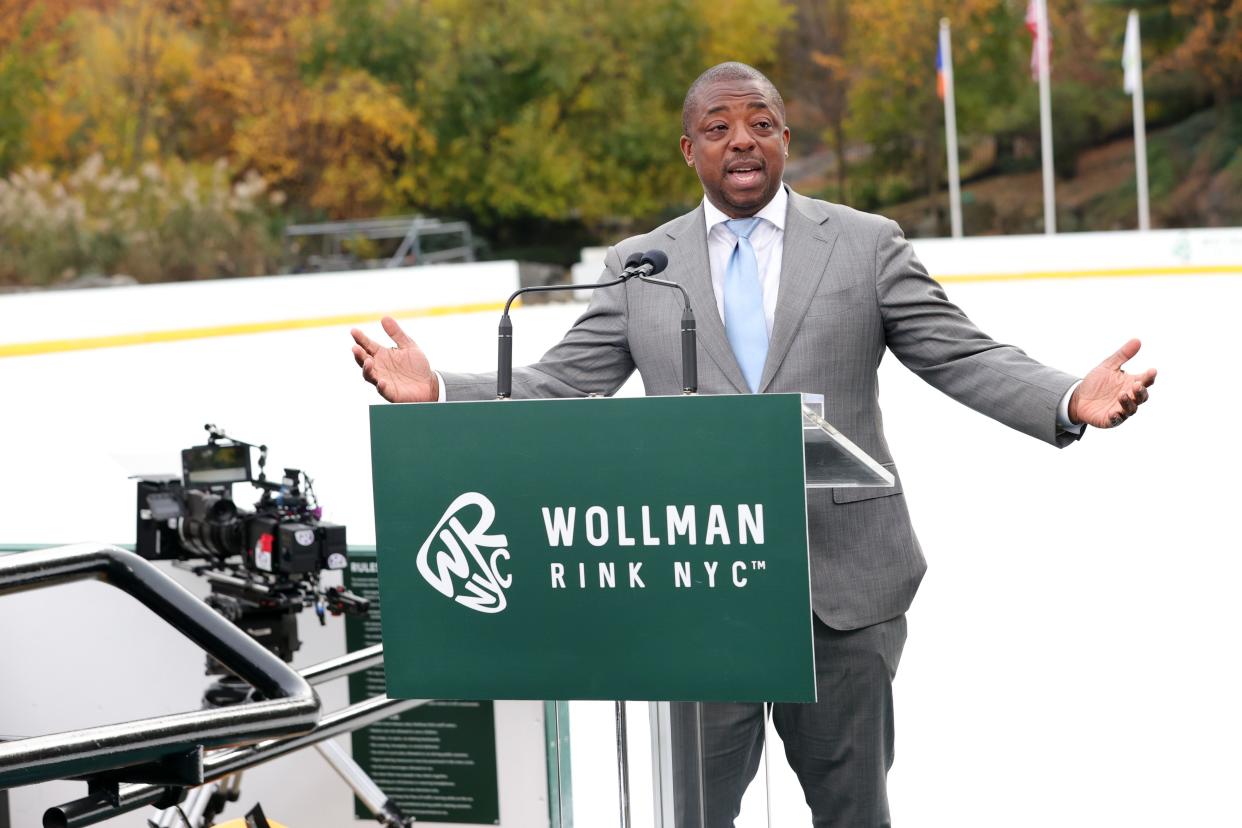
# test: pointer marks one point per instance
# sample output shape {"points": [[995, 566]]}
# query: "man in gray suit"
{"points": [[795, 294]]}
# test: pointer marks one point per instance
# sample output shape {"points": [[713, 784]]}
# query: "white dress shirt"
{"points": [[768, 240]]}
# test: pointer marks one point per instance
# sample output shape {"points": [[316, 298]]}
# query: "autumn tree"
{"points": [[893, 106], [551, 109], [22, 66], [124, 76], [1211, 47], [816, 76]]}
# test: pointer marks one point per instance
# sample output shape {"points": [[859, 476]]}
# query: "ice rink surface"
{"points": [[1073, 653]]}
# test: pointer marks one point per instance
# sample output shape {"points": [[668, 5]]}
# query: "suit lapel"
{"points": [[809, 239], [689, 252]]}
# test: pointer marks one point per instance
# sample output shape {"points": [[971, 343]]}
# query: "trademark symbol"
{"points": [[758, 564]]}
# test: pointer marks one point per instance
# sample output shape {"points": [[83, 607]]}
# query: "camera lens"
{"points": [[213, 527]]}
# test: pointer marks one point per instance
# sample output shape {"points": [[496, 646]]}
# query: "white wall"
{"points": [[1065, 253], [1073, 655]]}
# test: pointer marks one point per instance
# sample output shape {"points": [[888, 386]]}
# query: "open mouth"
{"points": [[745, 173]]}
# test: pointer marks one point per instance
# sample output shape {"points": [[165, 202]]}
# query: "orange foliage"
{"points": [[337, 145], [1212, 47], [44, 16]]}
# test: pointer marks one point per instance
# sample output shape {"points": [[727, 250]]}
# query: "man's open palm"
{"points": [[401, 373], [1108, 395]]}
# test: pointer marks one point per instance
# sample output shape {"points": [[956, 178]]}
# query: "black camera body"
{"points": [[263, 565], [195, 517]]}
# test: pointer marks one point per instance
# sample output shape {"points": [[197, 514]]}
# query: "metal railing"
{"points": [[92, 809], [168, 744], [410, 250]]}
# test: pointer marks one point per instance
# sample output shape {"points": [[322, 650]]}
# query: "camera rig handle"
{"points": [[154, 748]]}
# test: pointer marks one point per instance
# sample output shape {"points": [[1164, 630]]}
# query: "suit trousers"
{"points": [[840, 747]]}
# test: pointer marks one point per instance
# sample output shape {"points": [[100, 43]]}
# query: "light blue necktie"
{"points": [[743, 305]]}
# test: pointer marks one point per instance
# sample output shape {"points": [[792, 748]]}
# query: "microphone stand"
{"points": [[504, 351], [642, 266], [689, 349]]}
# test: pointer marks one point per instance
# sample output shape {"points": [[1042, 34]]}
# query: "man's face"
{"points": [[737, 144]]}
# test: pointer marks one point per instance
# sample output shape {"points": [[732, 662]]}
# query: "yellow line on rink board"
{"points": [[1184, 270], [89, 343]]}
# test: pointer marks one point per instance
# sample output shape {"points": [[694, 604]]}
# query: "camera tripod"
{"points": [[269, 617]]}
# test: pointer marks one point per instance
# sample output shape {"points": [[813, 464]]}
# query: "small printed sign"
{"points": [[437, 761]]}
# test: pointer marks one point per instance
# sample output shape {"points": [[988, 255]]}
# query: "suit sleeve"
{"points": [[936, 340], [592, 358]]}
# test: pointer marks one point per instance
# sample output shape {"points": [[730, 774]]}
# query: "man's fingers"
{"points": [[1140, 393], [364, 342], [368, 370], [1148, 377], [1123, 354], [360, 356], [394, 331]]}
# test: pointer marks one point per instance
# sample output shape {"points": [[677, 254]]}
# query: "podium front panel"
{"points": [[648, 548]]}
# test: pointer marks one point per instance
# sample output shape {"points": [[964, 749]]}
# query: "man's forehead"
{"points": [[727, 94]]}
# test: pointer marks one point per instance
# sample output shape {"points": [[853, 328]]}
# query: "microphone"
{"points": [[650, 263], [504, 334], [653, 262], [642, 266], [631, 264]]}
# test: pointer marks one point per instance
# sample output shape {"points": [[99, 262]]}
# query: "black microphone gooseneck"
{"points": [[653, 262], [504, 350]]}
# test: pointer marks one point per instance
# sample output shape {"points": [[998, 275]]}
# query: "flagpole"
{"points": [[1140, 125], [950, 130], [1045, 116]]}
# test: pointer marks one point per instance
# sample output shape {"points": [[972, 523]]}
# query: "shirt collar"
{"points": [[773, 211]]}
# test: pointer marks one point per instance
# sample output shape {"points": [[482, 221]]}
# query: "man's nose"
{"points": [[741, 139]]}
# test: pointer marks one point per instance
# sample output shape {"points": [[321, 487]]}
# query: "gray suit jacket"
{"points": [[850, 287]]}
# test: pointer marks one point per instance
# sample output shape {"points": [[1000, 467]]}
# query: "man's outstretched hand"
{"points": [[401, 373], [1108, 395]]}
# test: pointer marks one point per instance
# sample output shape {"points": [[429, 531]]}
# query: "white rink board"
{"points": [[59, 314], [1072, 657], [1072, 252]]}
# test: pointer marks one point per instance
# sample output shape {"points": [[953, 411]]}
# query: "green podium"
{"points": [[651, 548], [603, 549]]}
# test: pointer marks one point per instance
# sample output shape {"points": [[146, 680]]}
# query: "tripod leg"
{"points": [[386, 811], [202, 805], [172, 817], [226, 790]]}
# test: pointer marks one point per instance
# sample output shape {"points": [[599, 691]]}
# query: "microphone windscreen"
{"points": [[658, 260], [633, 261]]}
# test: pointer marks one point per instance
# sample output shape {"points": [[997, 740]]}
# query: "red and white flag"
{"points": [[1032, 26]]}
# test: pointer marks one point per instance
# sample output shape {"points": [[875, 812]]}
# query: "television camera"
{"points": [[264, 566]]}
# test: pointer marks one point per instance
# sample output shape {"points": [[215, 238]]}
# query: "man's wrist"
{"points": [[1067, 410], [437, 384]]}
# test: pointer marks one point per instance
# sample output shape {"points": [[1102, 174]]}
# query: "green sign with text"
{"points": [[437, 761], [650, 548]]}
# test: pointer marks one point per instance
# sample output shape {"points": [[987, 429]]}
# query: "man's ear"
{"points": [[687, 150], [785, 136]]}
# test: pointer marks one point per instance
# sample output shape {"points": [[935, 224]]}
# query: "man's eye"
{"points": [[763, 124]]}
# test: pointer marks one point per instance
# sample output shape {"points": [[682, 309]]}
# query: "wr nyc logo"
{"points": [[456, 560]]}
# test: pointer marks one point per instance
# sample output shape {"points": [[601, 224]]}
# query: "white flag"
{"points": [[1131, 60]]}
